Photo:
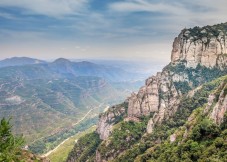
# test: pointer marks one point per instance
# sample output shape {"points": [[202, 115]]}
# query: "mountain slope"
{"points": [[202, 137], [17, 61], [147, 119], [48, 99], [51, 103]]}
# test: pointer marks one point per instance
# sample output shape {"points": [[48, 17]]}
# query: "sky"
{"points": [[100, 29]]}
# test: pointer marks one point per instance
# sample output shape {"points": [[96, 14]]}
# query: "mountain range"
{"points": [[63, 68], [44, 98]]}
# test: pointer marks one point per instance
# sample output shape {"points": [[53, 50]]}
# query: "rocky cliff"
{"points": [[108, 119], [202, 137], [167, 101], [217, 104], [195, 52], [204, 46]]}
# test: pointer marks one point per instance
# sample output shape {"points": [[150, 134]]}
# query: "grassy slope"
{"points": [[62, 152]]}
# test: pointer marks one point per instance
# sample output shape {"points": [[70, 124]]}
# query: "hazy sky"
{"points": [[123, 29]]}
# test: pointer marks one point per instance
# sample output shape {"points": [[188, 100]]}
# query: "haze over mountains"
{"points": [[111, 70], [44, 96]]}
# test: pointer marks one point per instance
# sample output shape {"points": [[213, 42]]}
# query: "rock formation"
{"points": [[160, 95], [108, 119], [217, 104], [198, 56], [205, 48]]}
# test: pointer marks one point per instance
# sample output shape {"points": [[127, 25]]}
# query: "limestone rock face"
{"points": [[161, 94], [158, 96], [147, 99], [108, 119], [205, 48], [219, 109], [150, 126], [198, 46], [172, 138], [153, 96]]}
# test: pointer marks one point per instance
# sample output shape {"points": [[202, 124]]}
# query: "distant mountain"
{"points": [[45, 98], [85, 68], [144, 67], [63, 68], [16, 61]]}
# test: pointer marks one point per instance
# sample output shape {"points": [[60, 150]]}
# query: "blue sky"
{"points": [[114, 29]]}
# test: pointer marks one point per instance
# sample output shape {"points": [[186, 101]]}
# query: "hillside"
{"points": [[46, 100], [18, 61], [179, 115]]}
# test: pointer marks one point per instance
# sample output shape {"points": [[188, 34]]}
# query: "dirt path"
{"points": [[83, 117], [49, 152]]}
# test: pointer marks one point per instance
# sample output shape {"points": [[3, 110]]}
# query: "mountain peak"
{"points": [[17, 61], [62, 60], [201, 45]]}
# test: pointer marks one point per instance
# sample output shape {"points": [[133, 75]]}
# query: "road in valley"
{"points": [[49, 152]]}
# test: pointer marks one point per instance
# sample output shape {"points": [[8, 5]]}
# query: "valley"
{"points": [[113, 81], [61, 153], [50, 102]]}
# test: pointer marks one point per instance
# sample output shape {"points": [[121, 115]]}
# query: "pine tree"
{"points": [[10, 145]]}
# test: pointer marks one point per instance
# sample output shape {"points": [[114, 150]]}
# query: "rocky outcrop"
{"points": [[217, 104], [108, 119], [150, 126], [160, 94], [172, 138], [206, 46]]}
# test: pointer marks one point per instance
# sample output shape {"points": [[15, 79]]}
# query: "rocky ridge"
{"points": [[161, 95], [174, 91]]}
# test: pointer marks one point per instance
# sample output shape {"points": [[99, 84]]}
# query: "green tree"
{"points": [[10, 145]]}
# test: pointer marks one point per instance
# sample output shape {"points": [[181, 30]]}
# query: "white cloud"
{"points": [[176, 14], [112, 26], [145, 5], [52, 8], [7, 15]]}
